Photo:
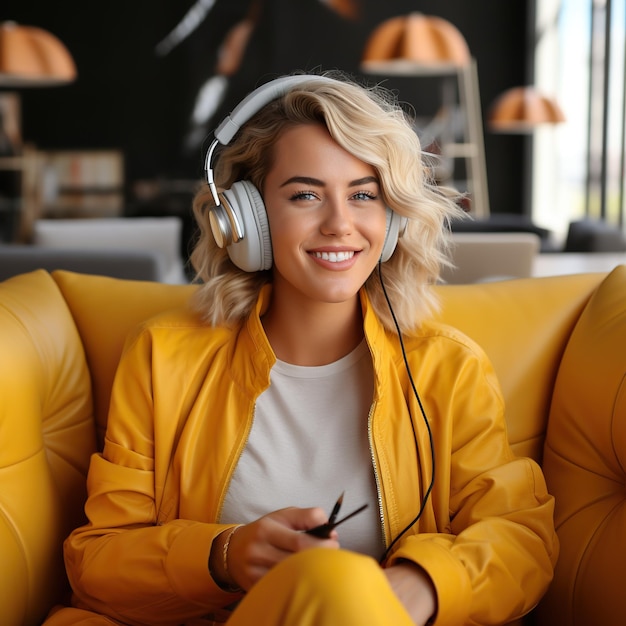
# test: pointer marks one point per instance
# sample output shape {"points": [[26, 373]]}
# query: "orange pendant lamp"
{"points": [[31, 56], [418, 39], [521, 110]]}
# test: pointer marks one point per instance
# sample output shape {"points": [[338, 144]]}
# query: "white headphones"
{"points": [[239, 219]]}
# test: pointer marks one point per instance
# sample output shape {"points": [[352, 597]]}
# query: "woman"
{"points": [[308, 367]]}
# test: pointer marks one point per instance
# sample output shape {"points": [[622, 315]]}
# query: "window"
{"points": [[578, 167]]}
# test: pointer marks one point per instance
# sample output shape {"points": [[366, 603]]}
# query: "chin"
{"points": [[340, 297]]}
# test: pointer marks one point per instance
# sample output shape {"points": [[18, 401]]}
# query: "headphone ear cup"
{"points": [[395, 227], [253, 252]]}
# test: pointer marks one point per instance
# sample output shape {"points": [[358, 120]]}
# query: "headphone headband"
{"points": [[256, 100]]}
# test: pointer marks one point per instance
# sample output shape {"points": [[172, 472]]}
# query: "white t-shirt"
{"points": [[308, 444]]}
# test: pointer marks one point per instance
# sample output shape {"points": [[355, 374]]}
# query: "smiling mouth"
{"points": [[334, 257]]}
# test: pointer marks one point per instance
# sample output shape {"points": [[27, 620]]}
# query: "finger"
{"points": [[285, 532], [257, 547], [265, 542], [271, 539], [300, 519]]}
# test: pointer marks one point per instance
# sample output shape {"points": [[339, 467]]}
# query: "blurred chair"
{"points": [[160, 236], [129, 264], [588, 235], [480, 257], [505, 223]]}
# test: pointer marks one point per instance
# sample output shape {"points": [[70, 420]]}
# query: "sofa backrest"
{"points": [[523, 326], [105, 310]]}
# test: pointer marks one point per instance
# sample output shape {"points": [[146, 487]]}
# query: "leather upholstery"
{"points": [[557, 344], [585, 462], [46, 437]]}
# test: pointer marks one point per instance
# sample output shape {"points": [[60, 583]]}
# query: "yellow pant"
{"points": [[322, 587], [313, 588]]}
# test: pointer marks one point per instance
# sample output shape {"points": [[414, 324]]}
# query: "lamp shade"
{"points": [[31, 56], [521, 109], [417, 38]]}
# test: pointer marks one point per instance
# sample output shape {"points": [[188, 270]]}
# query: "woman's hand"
{"points": [[256, 547], [414, 589]]}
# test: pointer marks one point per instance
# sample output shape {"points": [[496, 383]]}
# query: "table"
{"points": [[558, 263]]}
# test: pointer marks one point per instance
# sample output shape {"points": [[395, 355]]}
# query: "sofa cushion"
{"points": [[585, 465], [105, 311], [46, 438], [523, 326]]}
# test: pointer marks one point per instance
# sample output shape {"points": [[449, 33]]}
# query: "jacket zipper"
{"points": [[376, 476], [231, 471]]}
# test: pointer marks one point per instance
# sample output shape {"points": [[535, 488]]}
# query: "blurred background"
{"points": [[154, 77]]}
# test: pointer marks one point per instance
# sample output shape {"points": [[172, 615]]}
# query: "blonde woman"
{"points": [[307, 368]]}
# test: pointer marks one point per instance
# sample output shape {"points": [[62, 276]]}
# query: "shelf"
{"points": [[402, 67], [12, 163]]}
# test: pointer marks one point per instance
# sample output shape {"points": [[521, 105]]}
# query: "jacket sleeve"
{"points": [[125, 562], [488, 541]]}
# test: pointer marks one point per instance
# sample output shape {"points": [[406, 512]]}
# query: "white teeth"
{"points": [[334, 257]]}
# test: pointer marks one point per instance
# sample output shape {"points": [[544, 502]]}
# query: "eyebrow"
{"points": [[308, 180]]}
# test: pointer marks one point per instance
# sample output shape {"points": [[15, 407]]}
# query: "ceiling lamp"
{"points": [[521, 110], [31, 56], [417, 39]]}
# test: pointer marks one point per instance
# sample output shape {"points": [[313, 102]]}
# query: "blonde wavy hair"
{"points": [[369, 123]]}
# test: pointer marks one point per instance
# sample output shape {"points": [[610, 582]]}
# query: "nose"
{"points": [[337, 217]]}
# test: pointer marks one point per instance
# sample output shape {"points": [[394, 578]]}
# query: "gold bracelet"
{"points": [[232, 588]]}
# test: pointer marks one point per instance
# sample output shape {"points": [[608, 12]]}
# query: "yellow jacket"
{"points": [[182, 406]]}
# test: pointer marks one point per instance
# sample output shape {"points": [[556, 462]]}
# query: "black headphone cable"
{"points": [[423, 412]]}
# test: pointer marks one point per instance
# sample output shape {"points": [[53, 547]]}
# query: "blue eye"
{"points": [[303, 195], [365, 195]]}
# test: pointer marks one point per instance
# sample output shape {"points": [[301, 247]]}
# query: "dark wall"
{"points": [[129, 98]]}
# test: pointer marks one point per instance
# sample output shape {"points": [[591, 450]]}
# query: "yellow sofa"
{"points": [[558, 345]]}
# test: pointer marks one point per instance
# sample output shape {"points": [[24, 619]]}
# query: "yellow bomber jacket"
{"points": [[181, 408]]}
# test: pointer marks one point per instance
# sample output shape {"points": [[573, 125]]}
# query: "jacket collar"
{"points": [[253, 348]]}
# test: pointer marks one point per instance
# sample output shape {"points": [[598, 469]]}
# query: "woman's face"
{"points": [[326, 215]]}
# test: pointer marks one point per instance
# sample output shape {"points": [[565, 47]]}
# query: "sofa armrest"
{"points": [[585, 465], [48, 435]]}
